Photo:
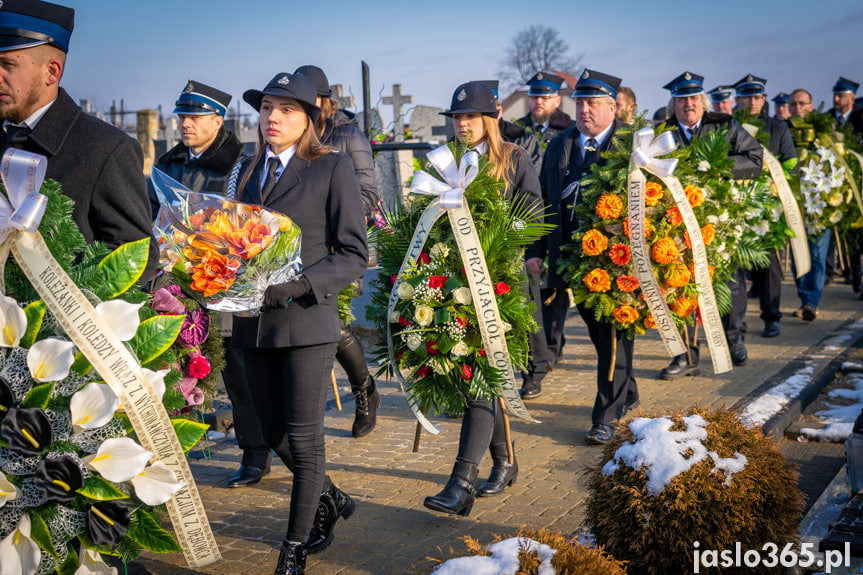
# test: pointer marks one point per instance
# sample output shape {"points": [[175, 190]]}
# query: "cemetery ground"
{"points": [[392, 533]]}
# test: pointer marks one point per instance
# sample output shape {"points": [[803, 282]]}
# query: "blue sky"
{"points": [[143, 52]]}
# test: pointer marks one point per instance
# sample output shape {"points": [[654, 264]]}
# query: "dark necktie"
{"points": [[591, 154], [273, 166], [15, 135]]}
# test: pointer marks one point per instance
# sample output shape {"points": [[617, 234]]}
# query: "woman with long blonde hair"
{"points": [[474, 118]]}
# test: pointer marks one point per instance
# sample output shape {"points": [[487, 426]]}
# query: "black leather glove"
{"points": [[280, 295]]}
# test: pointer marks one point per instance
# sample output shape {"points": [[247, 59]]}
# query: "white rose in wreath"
{"points": [[460, 349], [405, 291], [423, 315], [462, 295], [413, 341]]}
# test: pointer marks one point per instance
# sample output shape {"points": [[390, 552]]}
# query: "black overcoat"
{"points": [[101, 168], [322, 196]]}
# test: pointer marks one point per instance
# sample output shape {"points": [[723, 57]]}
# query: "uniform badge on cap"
{"points": [[461, 96], [284, 80], [687, 76], [586, 75], [539, 76]]}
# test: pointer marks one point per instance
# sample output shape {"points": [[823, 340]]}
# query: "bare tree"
{"points": [[536, 49]]}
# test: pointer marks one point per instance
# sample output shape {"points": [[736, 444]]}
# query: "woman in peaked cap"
{"points": [[289, 347], [474, 117]]}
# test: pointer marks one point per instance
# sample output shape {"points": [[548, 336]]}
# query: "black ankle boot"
{"points": [[334, 503], [502, 473], [368, 400], [292, 559], [457, 496]]}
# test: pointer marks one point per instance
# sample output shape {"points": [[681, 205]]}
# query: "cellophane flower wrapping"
{"points": [[225, 251], [437, 343], [598, 264], [57, 413]]}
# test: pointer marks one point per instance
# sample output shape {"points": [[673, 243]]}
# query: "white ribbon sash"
{"points": [[645, 148], [22, 174], [799, 244], [450, 198], [645, 145]]}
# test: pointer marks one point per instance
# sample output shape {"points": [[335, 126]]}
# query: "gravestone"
{"points": [[344, 102], [377, 125], [424, 120], [396, 101]]}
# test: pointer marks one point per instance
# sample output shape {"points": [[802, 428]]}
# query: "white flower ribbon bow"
{"points": [[646, 148], [457, 177], [22, 174]]}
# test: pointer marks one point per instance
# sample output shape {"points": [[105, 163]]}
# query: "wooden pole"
{"points": [[613, 354], [417, 435], [510, 454], [336, 390], [839, 251]]}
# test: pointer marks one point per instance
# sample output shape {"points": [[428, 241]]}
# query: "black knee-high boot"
{"points": [[350, 355], [458, 494], [503, 474]]}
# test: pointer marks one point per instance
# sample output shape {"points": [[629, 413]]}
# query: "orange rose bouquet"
{"points": [[224, 251], [598, 260]]}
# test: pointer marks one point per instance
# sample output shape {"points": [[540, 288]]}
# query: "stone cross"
{"points": [[339, 97], [396, 101]]}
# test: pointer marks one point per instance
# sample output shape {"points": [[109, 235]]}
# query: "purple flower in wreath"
{"points": [[164, 300], [190, 390], [195, 328]]}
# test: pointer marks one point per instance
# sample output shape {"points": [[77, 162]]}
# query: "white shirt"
{"points": [[284, 158], [33, 118], [600, 137]]}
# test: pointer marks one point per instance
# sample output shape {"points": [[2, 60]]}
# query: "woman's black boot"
{"points": [[457, 496], [368, 400], [502, 473], [292, 559], [351, 357], [334, 503]]}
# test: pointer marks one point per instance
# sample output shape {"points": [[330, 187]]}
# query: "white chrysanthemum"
{"points": [[14, 322], [121, 316], [156, 484], [50, 359], [19, 555], [92, 406], [119, 459], [703, 166]]}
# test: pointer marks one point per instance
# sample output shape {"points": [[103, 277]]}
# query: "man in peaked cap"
{"points": [[843, 105], [781, 111], [751, 101], [207, 151], [99, 166], [545, 119], [721, 99], [568, 159], [201, 162], [691, 119]]}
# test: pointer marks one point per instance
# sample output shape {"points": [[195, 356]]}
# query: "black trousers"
{"points": [[554, 318], [767, 283], [289, 390], [540, 352], [246, 425], [613, 394], [481, 427], [735, 323]]}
